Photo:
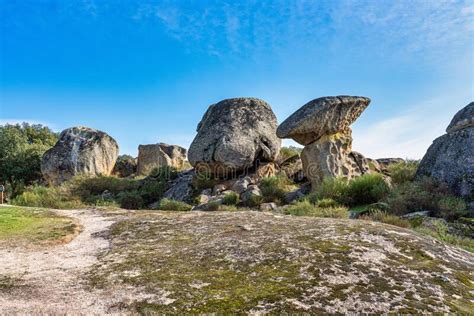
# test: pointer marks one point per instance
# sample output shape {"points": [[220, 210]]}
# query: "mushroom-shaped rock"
{"points": [[233, 134], [450, 158], [322, 116], [159, 155], [79, 150], [322, 125]]}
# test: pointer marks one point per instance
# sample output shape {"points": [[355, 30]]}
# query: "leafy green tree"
{"points": [[21, 149]]}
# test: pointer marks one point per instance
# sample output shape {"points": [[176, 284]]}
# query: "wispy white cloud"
{"points": [[409, 134], [384, 27]]}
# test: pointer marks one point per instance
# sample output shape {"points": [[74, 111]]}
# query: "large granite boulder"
{"points": [[322, 125], [79, 150], [450, 158], [125, 166], [322, 116], [159, 155], [233, 135]]}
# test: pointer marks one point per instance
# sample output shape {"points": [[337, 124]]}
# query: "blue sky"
{"points": [[146, 71]]}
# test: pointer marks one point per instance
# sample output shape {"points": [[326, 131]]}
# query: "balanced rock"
{"points": [[234, 134], [450, 158], [322, 125], [79, 150], [159, 155], [322, 116]]}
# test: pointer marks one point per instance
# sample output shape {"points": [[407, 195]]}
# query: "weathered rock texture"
{"points": [[322, 116], [450, 158], [322, 125], [79, 150], [233, 135], [264, 263], [125, 166], [159, 155]]}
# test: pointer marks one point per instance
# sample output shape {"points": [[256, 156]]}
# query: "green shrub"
{"points": [[366, 189], [48, 197], [402, 172], [173, 205], [421, 195], [85, 187], [326, 203], [451, 208], [274, 188], [230, 198], [384, 217], [254, 201], [306, 208], [204, 181], [152, 191], [131, 200], [332, 188]]}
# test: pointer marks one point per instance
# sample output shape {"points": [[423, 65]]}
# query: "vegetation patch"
{"points": [[21, 226], [172, 205], [306, 208]]}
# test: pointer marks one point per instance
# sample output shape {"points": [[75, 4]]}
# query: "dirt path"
{"points": [[51, 279]]}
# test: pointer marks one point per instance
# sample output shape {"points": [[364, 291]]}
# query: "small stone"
{"points": [[218, 189], [241, 185], [268, 207]]}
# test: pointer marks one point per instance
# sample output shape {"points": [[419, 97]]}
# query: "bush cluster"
{"points": [[403, 172], [275, 188], [172, 205], [100, 191], [366, 189], [48, 197]]}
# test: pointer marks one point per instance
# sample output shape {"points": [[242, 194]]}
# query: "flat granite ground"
{"points": [[242, 262]]}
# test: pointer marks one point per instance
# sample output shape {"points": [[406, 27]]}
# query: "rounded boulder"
{"points": [[233, 134], [79, 150]]}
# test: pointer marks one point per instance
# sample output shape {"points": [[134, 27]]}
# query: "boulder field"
{"points": [[240, 135]]}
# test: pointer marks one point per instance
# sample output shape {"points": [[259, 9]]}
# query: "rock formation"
{"points": [[450, 158], [322, 125], [233, 134], [159, 155], [125, 166], [79, 150]]}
